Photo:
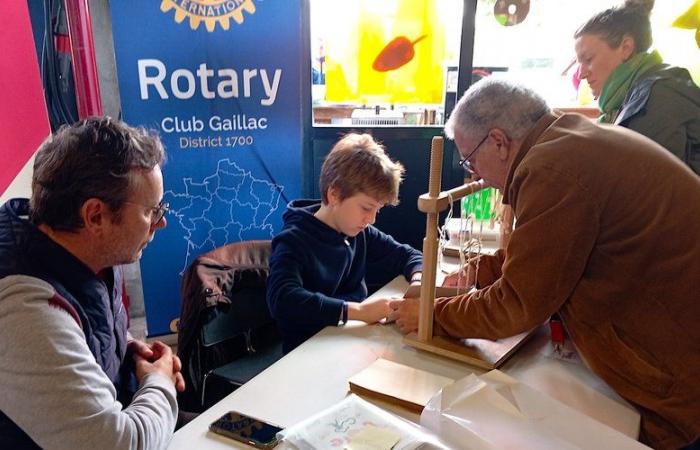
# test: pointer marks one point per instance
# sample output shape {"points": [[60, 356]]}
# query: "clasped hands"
{"points": [[157, 358]]}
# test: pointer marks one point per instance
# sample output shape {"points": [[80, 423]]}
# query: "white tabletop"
{"points": [[315, 376]]}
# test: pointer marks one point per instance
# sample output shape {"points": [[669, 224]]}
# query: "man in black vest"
{"points": [[70, 374]]}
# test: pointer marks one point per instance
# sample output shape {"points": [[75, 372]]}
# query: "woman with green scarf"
{"points": [[634, 88]]}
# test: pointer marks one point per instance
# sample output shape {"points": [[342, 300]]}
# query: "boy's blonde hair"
{"points": [[358, 164]]}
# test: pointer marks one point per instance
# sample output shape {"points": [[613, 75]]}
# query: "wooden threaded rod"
{"points": [[435, 180], [430, 245]]}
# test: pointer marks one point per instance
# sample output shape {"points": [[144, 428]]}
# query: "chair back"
{"points": [[224, 313], [247, 313]]}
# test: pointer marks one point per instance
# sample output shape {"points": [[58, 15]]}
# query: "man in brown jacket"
{"points": [[606, 236]]}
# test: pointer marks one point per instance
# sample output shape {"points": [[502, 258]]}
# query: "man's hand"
{"points": [[140, 348], [465, 279], [162, 361], [405, 311], [369, 311]]}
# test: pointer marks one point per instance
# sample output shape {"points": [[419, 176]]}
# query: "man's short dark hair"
{"points": [[93, 158]]}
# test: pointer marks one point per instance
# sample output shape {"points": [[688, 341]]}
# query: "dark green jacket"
{"points": [[664, 105]]}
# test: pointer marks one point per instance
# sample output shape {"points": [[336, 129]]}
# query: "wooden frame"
{"points": [[480, 352]]}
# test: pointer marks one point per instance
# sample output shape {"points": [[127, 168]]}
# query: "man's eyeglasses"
{"points": [[464, 162], [157, 212]]}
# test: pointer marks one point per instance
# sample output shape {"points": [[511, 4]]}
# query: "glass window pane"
{"points": [[678, 46], [539, 51], [382, 63]]}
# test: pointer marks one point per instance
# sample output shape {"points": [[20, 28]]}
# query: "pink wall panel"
{"points": [[24, 122]]}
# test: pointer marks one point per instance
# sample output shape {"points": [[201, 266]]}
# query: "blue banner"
{"points": [[219, 80]]}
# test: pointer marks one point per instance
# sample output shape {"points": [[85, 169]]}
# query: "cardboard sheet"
{"points": [[398, 384]]}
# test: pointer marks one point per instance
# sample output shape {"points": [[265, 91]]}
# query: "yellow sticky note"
{"points": [[374, 438]]}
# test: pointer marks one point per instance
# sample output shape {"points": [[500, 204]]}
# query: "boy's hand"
{"points": [[369, 311]]}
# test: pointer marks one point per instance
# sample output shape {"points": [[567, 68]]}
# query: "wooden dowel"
{"points": [[465, 189], [430, 204]]}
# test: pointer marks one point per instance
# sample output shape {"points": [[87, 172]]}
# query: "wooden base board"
{"points": [[477, 352]]}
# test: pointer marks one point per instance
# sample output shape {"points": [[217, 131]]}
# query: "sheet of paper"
{"points": [[374, 438]]}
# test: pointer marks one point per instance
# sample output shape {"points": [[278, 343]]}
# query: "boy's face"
{"points": [[353, 214]]}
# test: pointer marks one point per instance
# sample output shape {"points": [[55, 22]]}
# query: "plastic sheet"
{"points": [[495, 411], [335, 428]]}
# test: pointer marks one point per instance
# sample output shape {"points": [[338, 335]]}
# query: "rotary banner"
{"points": [[220, 82]]}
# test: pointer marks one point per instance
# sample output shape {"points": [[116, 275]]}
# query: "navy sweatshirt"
{"points": [[314, 269]]}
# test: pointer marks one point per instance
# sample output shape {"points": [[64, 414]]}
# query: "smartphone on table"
{"points": [[246, 429]]}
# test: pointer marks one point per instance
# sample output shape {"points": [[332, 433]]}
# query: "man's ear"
{"points": [[95, 214], [628, 47], [502, 142]]}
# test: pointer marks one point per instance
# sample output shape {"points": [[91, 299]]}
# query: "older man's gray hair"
{"points": [[496, 103]]}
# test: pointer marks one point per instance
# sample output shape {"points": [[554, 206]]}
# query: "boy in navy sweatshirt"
{"points": [[320, 258]]}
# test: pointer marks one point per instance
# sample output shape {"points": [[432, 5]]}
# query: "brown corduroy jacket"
{"points": [[608, 235]]}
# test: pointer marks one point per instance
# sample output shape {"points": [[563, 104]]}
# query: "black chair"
{"points": [[226, 334]]}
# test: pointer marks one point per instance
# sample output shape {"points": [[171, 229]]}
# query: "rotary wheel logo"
{"points": [[210, 12]]}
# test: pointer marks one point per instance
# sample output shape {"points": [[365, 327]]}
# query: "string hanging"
{"points": [[469, 252], [444, 233]]}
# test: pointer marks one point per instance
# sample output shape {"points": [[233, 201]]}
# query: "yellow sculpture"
{"points": [[690, 20]]}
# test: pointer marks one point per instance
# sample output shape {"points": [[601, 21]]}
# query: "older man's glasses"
{"points": [[157, 212], [464, 162]]}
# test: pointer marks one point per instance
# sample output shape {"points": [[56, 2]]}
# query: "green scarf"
{"points": [[619, 82]]}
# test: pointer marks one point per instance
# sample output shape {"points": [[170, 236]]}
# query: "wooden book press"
{"points": [[479, 352]]}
